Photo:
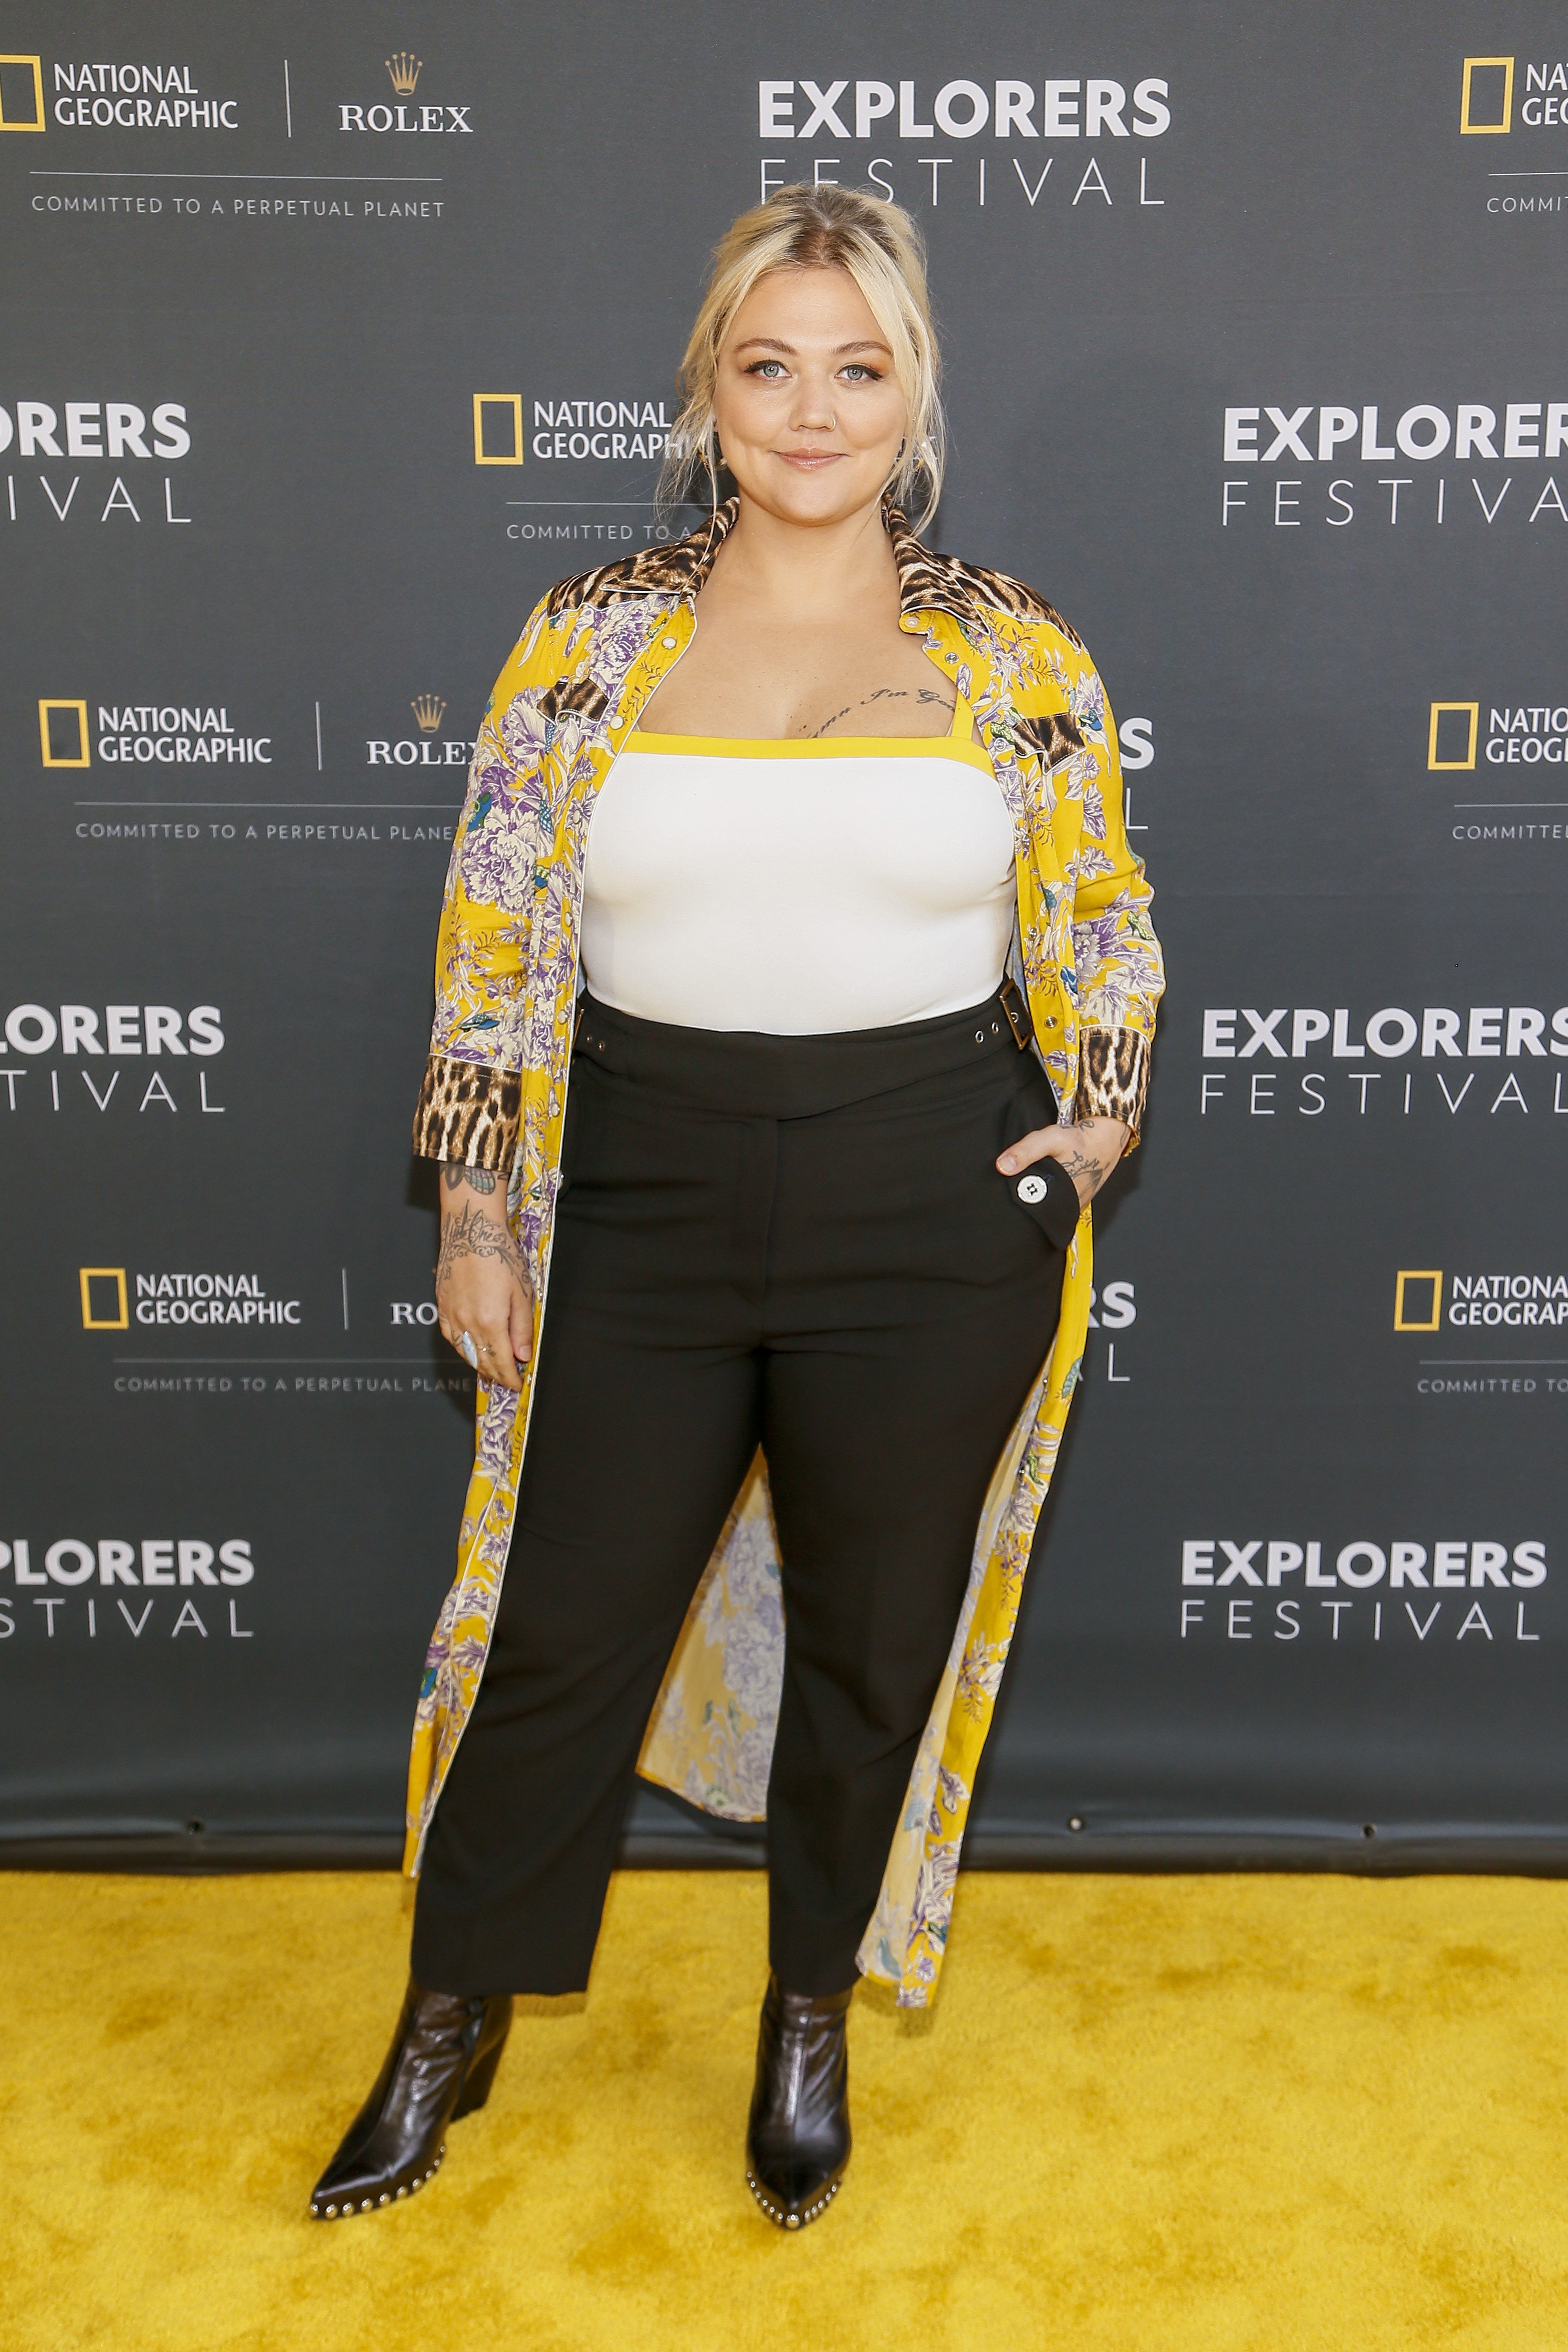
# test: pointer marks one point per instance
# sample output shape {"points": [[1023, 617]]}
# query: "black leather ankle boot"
{"points": [[797, 2143], [441, 2065]]}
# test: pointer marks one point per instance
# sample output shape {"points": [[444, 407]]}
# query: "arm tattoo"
{"points": [[469, 1233], [479, 1180]]}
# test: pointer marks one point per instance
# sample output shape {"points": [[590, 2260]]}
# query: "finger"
{"points": [[497, 1364], [493, 1341], [1045, 1144], [521, 1328]]}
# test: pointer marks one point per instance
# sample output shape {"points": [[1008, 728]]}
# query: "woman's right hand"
{"points": [[482, 1281]]}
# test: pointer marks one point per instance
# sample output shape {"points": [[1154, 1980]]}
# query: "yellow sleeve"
{"points": [[471, 1102]]}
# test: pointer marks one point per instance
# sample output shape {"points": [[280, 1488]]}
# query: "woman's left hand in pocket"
{"points": [[1089, 1152]]}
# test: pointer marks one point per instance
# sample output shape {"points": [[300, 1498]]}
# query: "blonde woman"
{"points": [[793, 998]]}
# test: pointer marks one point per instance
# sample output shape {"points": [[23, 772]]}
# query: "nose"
{"points": [[811, 411]]}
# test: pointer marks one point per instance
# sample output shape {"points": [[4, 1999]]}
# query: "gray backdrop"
{"points": [[1254, 333]]}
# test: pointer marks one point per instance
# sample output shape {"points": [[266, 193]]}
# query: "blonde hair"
{"points": [[828, 227]]}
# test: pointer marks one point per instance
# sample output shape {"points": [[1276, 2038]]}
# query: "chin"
{"points": [[824, 498]]}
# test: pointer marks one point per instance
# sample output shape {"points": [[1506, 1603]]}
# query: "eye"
{"points": [[768, 371], [857, 372]]}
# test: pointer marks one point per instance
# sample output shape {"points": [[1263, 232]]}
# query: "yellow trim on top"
{"points": [[836, 747]]}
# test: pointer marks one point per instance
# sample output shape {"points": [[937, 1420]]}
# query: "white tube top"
{"points": [[797, 888]]}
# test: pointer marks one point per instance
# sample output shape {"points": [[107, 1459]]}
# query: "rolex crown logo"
{"points": [[405, 68], [429, 709]]}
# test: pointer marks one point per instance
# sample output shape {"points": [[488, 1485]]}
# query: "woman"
{"points": [[756, 828]]}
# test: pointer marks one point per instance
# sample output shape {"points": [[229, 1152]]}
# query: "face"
{"points": [[808, 411]]}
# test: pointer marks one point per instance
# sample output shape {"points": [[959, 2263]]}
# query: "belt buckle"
{"points": [[1015, 1011]]}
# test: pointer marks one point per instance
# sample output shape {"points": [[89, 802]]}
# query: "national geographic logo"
{"points": [[1522, 734], [1489, 87], [169, 734], [923, 111], [1427, 1040], [110, 98], [107, 1302], [625, 432], [1486, 94], [1520, 1302], [403, 71], [93, 1034], [1427, 1303], [192, 1570]]}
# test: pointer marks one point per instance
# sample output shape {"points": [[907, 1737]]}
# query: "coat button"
{"points": [[668, 644]]}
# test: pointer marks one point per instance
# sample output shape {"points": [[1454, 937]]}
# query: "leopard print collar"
{"points": [[927, 581]]}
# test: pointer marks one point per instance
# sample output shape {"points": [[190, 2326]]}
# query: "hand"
{"points": [[1089, 1152], [482, 1281]]}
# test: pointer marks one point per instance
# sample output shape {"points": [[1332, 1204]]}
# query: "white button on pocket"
{"points": [[1031, 1189], [668, 644]]}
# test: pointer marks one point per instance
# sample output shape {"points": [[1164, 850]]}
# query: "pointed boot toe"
{"points": [[440, 2066], [797, 2141]]}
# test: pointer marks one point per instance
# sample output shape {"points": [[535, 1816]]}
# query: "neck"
{"points": [[807, 565]]}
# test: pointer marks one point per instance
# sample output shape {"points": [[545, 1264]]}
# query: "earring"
{"points": [[903, 445]]}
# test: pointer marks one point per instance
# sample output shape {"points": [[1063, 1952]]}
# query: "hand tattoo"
{"points": [[478, 1180], [469, 1233], [1081, 1163]]}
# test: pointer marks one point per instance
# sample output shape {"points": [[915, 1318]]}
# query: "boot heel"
{"points": [[478, 2081]]}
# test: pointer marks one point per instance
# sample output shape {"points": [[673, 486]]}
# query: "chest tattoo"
{"points": [[918, 698]]}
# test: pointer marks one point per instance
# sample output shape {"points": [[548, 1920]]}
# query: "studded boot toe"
{"points": [[797, 2142], [440, 2066]]}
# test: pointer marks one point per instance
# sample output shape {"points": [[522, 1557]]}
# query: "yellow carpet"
{"points": [[1149, 2114]]}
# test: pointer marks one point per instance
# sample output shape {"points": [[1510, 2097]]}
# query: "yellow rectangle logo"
{"points": [[36, 66], [120, 1320], [1471, 713], [513, 403], [1467, 125], [53, 734], [1403, 1322]]}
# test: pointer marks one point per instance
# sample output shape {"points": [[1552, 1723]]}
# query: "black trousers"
{"points": [[796, 1243]]}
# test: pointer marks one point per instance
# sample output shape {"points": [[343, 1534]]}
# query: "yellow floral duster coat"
{"points": [[507, 978]]}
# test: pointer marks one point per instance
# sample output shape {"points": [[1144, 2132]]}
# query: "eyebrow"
{"points": [[772, 344]]}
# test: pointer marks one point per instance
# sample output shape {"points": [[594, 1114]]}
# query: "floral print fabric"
{"points": [[506, 986]]}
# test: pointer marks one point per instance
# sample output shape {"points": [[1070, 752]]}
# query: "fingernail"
{"points": [[1008, 1163]]}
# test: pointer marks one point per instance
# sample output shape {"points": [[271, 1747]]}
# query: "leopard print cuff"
{"points": [[1114, 1076], [468, 1113]]}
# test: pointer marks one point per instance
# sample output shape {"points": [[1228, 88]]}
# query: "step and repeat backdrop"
{"points": [[332, 337]]}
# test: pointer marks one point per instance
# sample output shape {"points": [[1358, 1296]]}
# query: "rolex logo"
{"points": [[405, 69], [429, 710]]}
